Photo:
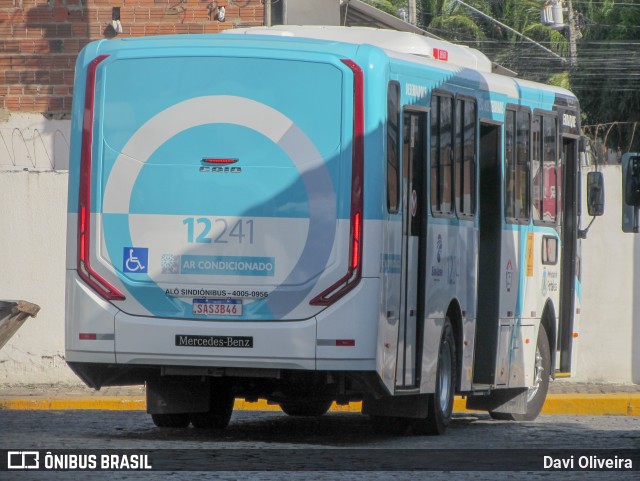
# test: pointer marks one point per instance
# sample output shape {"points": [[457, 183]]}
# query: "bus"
{"points": [[310, 215]]}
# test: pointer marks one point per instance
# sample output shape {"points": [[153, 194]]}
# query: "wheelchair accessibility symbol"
{"points": [[135, 260]]}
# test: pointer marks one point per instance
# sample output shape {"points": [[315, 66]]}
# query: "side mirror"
{"points": [[595, 193], [631, 177], [631, 192]]}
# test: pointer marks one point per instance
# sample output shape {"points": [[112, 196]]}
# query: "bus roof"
{"points": [[403, 46], [414, 48], [390, 40]]}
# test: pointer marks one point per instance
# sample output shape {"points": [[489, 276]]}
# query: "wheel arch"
{"points": [[454, 314], [548, 321]]}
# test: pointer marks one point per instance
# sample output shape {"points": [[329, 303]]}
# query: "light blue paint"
{"points": [[262, 183], [152, 296]]}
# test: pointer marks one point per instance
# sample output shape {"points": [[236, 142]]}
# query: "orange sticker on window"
{"points": [[530, 254]]}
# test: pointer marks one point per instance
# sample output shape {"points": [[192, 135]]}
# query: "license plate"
{"points": [[217, 307]]}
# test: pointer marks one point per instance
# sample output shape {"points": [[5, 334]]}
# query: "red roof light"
{"points": [[219, 161]]}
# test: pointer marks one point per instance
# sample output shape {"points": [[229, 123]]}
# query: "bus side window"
{"points": [[465, 157], [393, 133], [442, 154], [550, 170], [536, 166], [509, 169], [517, 166], [546, 172]]}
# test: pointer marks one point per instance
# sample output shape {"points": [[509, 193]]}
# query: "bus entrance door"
{"points": [[489, 272], [413, 250], [569, 257]]}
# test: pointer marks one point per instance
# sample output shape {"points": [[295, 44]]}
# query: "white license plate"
{"points": [[217, 307]]}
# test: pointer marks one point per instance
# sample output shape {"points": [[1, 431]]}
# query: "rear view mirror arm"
{"points": [[582, 233]]}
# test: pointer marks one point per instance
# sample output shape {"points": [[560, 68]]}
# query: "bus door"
{"points": [[490, 274], [413, 249], [569, 256]]}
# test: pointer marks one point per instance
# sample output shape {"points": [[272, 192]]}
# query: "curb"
{"points": [[615, 404]]}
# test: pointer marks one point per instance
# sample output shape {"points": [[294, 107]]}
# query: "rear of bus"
{"points": [[215, 214]]}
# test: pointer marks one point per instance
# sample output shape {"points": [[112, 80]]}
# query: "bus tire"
{"points": [[537, 393], [306, 407], [440, 404], [171, 420], [220, 410]]}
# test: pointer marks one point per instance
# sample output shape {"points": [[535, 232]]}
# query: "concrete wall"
{"points": [[608, 346], [33, 204], [32, 250], [31, 141]]}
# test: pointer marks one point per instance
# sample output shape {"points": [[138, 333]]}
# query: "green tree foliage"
{"points": [[453, 21], [389, 6], [607, 78]]}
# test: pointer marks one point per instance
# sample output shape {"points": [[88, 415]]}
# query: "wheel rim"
{"points": [[539, 369], [445, 379]]}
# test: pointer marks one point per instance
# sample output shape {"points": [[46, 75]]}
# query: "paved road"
{"points": [[258, 431]]}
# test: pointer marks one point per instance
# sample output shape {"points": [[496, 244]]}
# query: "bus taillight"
{"points": [[355, 246], [85, 271], [354, 268]]}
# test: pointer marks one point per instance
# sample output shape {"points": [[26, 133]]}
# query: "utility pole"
{"points": [[413, 16], [553, 15], [267, 13], [571, 36]]}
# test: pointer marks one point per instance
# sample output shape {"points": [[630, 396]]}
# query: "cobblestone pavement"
{"points": [[253, 433], [8, 391]]}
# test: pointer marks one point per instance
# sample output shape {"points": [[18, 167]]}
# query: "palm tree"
{"points": [[450, 20], [456, 22], [607, 76]]}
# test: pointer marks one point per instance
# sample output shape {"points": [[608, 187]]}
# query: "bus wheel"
{"points": [[307, 407], [221, 408], [441, 402], [389, 425], [537, 393], [173, 420]]}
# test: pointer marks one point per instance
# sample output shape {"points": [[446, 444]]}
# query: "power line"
{"points": [[613, 62], [484, 15]]}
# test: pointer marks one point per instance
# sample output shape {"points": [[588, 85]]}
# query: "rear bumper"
{"points": [[98, 333]]}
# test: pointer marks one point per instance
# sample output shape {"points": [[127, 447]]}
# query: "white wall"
{"points": [[32, 267], [32, 249], [33, 208], [608, 346], [31, 141]]}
